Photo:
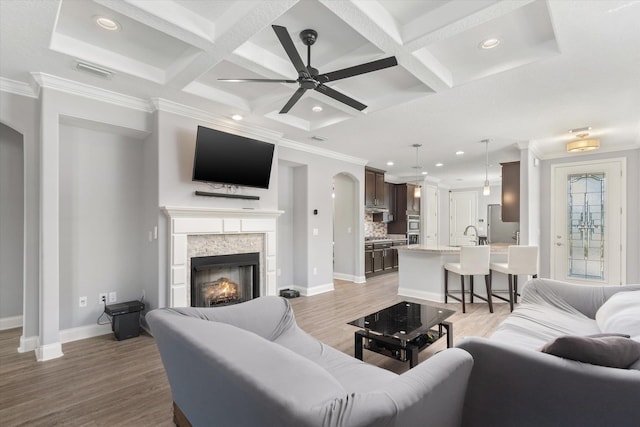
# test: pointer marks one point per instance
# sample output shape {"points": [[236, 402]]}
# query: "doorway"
{"points": [[345, 221], [463, 212], [588, 226]]}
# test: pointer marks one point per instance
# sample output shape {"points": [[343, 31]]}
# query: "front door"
{"points": [[588, 221]]}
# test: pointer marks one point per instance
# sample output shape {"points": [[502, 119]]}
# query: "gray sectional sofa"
{"points": [[250, 365], [515, 384]]}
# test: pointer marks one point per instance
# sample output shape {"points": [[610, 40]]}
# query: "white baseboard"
{"points": [[315, 290], [49, 351], [360, 279], [83, 332], [28, 344], [429, 296], [343, 276], [10, 322]]}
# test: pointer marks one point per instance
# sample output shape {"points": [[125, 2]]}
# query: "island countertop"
{"points": [[495, 248]]}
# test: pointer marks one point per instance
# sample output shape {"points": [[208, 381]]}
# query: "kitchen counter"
{"points": [[495, 248], [421, 271]]}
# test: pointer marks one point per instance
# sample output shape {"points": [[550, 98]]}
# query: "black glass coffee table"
{"points": [[402, 330]]}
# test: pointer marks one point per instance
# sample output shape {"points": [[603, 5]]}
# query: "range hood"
{"points": [[373, 209]]}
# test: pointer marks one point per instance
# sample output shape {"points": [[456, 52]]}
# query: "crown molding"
{"points": [[294, 145], [48, 81], [220, 122], [17, 88]]}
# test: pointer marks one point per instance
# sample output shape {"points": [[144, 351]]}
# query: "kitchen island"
{"points": [[421, 271]]}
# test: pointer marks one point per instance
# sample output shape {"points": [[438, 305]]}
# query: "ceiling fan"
{"points": [[308, 77]]}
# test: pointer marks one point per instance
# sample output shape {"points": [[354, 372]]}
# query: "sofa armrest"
{"points": [[433, 392], [585, 298], [514, 386]]}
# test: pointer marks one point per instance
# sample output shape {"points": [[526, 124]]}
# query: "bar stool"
{"points": [[473, 260], [520, 260]]}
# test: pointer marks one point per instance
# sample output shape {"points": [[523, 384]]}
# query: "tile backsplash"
{"points": [[374, 229]]}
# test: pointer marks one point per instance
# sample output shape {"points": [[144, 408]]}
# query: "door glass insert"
{"points": [[585, 223]]}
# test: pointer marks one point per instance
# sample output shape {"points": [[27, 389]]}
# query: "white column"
{"points": [[49, 346]]}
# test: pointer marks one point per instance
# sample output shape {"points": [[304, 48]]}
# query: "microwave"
{"points": [[413, 224]]}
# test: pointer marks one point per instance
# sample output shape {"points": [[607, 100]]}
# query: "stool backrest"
{"points": [[523, 259], [475, 258]]}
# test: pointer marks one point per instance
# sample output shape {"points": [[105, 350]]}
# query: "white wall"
{"points": [[633, 207], [22, 114], [300, 226], [320, 171], [529, 198], [101, 230], [11, 222], [345, 225], [285, 246]]}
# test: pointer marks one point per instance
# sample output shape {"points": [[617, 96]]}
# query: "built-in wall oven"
{"points": [[413, 229]]}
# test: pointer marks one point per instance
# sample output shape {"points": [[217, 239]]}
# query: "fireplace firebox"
{"points": [[224, 279]]}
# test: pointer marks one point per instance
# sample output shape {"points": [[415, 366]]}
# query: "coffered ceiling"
{"points": [[559, 64]]}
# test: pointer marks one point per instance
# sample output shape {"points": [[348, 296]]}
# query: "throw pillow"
{"points": [[614, 350], [621, 313]]}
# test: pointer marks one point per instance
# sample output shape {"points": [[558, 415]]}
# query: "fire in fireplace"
{"points": [[224, 279]]}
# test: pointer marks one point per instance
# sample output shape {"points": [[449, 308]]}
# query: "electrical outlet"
{"points": [[102, 297], [112, 297], [82, 302]]}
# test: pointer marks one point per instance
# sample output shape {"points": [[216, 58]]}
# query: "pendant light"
{"points": [[416, 190], [486, 189]]}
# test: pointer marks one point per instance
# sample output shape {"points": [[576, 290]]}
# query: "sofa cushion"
{"points": [[353, 374], [621, 314], [615, 350]]}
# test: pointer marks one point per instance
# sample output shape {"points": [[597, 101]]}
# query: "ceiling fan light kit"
{"points": [[309, 77]]}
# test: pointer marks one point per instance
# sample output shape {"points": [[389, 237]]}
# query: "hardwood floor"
{"points": [[101, 381]]}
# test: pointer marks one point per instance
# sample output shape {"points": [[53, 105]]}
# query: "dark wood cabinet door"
{"points": [[388, 258], [378, 261], [368, 261], [394, 258], [511, 192], [381, 191], [369, 188]]}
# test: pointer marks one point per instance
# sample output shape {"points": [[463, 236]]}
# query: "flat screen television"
{"points": [[224, 158]]}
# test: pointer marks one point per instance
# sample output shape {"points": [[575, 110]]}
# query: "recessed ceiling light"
{"points": [[316, 108], [237, 117], [489, 43], [459, 153], [107, 23], [389, 163], [425, 173], [439, 165]]}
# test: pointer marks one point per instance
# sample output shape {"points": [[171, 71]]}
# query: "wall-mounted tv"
{"points": [[224, 158]]}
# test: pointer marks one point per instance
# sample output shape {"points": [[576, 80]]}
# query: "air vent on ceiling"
{"points": [[96, 71], [318, 138]]}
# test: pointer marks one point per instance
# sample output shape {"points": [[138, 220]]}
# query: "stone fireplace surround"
{"points": [[213, 231]]}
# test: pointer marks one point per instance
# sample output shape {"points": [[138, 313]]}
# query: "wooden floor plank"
{"points": [[101, 381]]}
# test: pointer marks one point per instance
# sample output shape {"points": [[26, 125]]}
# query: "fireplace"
{"points": [[224, 279]]}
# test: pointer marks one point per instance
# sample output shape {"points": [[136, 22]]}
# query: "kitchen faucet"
{"points": [[466, 230]]}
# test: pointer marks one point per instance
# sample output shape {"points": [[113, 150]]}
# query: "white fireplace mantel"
{"points": [[185, 221]]}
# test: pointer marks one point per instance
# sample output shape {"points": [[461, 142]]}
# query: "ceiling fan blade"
{"points": [[289, 47], [296, 96], [340, 97], [258, 80], [358, 69]]}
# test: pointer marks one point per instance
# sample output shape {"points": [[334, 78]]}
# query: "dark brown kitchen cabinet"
{"points": [[378, 261], [368, 259], [374, 188], [405, 204], [511, 192]]}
